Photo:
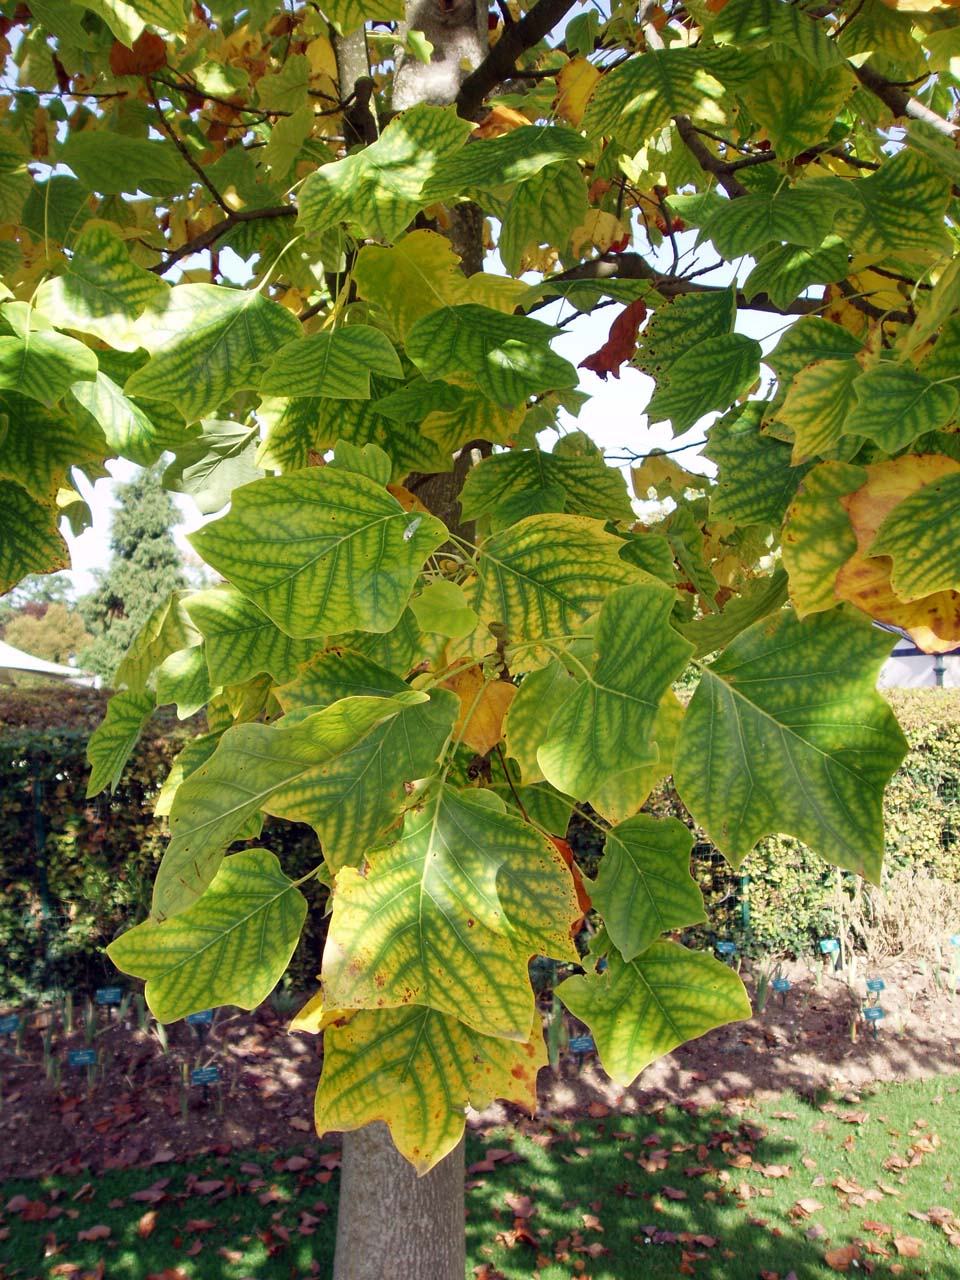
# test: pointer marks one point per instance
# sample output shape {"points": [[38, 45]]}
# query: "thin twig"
{"points": [[500, 62], [184, 150], [219, 229]]}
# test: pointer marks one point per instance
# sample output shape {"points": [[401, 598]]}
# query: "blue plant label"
{"points": [[582, 1044], [876, 984], [874, 1013], [200, 1019], [205, 1075], [726, 948], [9, 1024], [781, 984], [82, 1058], [829, 946], [955, 939], [108, 995]]}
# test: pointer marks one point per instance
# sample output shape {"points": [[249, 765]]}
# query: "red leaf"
{"points": [[99, 1232], [149, 53], [522, 1206], [620, 344], [146, 1223]]}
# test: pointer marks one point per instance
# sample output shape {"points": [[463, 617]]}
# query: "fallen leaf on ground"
{"points": [[803, 1208], [146, 1223], [99, 1232], [842, 1259], [907, 1246], [522, 1206]]}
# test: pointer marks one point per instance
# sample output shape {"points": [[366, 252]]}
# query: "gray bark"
{"points": [[392, 1223]]}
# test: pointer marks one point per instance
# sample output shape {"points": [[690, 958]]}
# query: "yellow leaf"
{"points": [[314, 1017], [844, 313], [599, 228], [575, 83], [322, 59], [411, 279], [483, 705], [498, 121], [933, 622]]}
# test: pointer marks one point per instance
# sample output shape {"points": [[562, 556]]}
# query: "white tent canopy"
{"points": [[12, 660]]}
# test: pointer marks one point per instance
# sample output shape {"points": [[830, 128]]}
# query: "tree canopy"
{"points": [[432, 687]]}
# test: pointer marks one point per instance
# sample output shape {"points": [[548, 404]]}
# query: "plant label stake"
{"points": [[108, 998], [781, 986], [200, 1022], [873, 1013], [831, 947], [10, 1025], [728, 950], [876, 985], [205, 1076], [580, 1046]]}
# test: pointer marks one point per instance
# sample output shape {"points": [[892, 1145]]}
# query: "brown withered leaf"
{"points": [[146, 1223], [99, 1232], [842, 1259], [620, 344], [522, 1206], [804, 1208], [907, 1246], [149, 53]]}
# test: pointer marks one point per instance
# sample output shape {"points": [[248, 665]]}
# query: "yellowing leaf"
{"points": [[417, 1069], [600, 229], [817, 535], [920, 535], [483, 705], [498, 121], [575, 84]]}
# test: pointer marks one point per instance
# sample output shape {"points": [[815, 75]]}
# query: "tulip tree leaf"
{"points": [[796, 108], [321, 551], [756, 478], [38, 446], [102, 291], [921, 539], [817, 536], [41, 363], [29, 537], [132, 431], [206, 343], [417, 1069], [605, 726], [641, 1009], [211, 465], [544, 577], [111, 743], [431, 921], [509, 357], [644, 886], [183, 678], [541, 693], [230, 947], [587, 483], [809, 756], [167, 630], [642, 95], [336, 364], [240, 641], [710, 376], [895, 405], [340, 770], [819, 403]]}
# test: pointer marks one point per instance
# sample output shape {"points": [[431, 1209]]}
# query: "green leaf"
{"points": [[378, 191], [544, 577], [895, 405], [899, 208], [807, 756], [240, 641], [111, 743], [920, 537], [622, 794], [796, 108], [797, 214], [38, 448], [183, 678], [588, 485], [127, 18], [131, 431], [651, 552], [540, 695], [543, 210], [817, 536], [205, 344], [335, 363], [417, 1070], [321, 551], [756, 478], [605, 726], [15, 179], [166, 631], [340, 770], [118, 164], [368, 460], [768, 22], [428, 924], [40, 363], [710, 376], [509, 357], [640, 1010], [102, 290], [29, 537], [347, 15], [490, 164], [441, 608], [681, 326], [819, 403], [810, 339], [210, 466], [638, 98], [785, 272], [758, 599], [197, 752], [644, 886], [397, 650], [231, 947]]}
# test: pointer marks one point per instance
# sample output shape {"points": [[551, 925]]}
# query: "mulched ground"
{"points": [[138, 1110]]}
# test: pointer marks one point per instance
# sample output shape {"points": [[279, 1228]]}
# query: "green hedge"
{"points": [[74, 873]]}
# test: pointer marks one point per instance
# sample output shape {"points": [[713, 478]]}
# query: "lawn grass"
{"points": [[639, 1188]]}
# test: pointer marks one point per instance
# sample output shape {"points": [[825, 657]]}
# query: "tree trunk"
{"points": [[392, 1223]]}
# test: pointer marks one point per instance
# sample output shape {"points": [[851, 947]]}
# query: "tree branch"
{"points": [[631, 266], [901, 103], [184, 150], [219, 229], [500, 62]]}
